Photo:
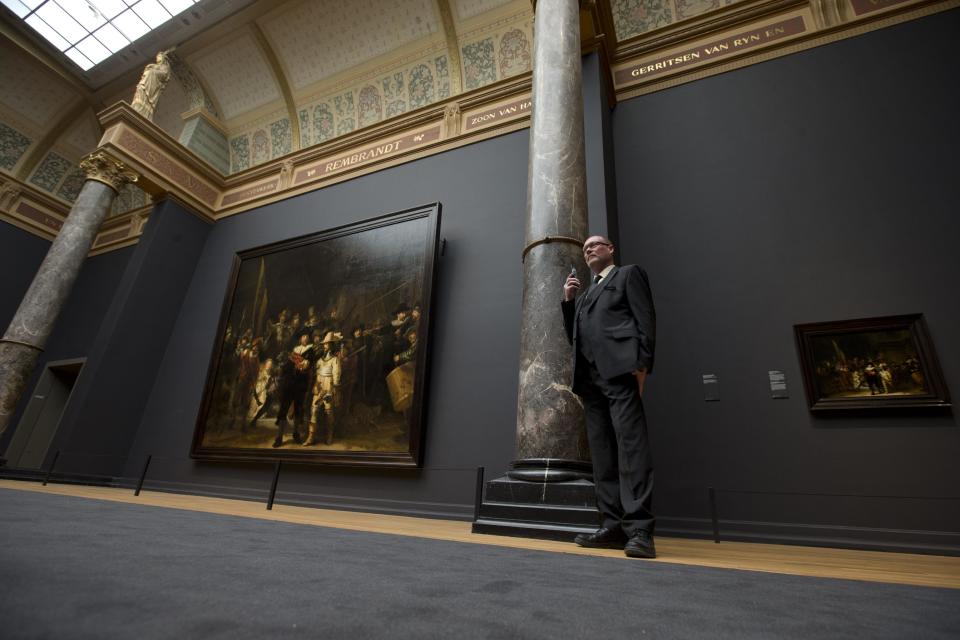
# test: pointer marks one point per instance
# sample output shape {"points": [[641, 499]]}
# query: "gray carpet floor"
{"points": [[78, 568]]}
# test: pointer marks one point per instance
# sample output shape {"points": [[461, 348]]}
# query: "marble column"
{"points": [[551, 440], [36, 316]]}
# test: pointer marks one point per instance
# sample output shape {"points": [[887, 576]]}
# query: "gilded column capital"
{"points": [[101, 167]]}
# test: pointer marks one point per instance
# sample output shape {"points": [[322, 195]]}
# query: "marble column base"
{"points": [[550, 470], [545, 510]]}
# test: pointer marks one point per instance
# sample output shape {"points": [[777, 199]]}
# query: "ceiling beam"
{"points": [[453, 47], [45, 144], [281, 79]]}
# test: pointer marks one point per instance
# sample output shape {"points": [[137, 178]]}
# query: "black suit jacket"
{"points": [[615, 322]]}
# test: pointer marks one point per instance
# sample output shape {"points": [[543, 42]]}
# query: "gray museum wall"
{"points": [[472, 399], [99, 423], [20, 256], [818, 186]]}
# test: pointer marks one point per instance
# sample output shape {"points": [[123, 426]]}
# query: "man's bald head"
{"points": [[598, 252]]}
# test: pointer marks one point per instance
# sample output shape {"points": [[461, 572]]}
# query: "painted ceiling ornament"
{"points": [[154, 79], [196, 95], [101, 167]]}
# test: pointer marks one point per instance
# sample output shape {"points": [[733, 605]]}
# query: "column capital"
{"points": [[102, 167]]}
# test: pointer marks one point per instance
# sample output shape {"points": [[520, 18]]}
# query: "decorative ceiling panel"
{"points": [[319, 38], [30, 91], [84, 135], [173, 102], [497, 51], [633, 17], [467, 9], [239, 76]]}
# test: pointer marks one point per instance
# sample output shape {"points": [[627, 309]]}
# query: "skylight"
{"points": [[90, 31]]}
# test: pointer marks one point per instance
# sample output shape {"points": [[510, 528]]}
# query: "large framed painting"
{"points": [[322, 350], [870, 363]]}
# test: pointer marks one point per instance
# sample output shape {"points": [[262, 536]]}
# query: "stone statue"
{"points": [[154, 79], [286, 174], [451, 119], [9, 192]]}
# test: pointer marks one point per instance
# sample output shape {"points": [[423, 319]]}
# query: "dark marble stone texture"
{"points": [[549, 415], [16, 365], [550, 470], [576, 493], [551, 510], [37, 314], [550, 421]]}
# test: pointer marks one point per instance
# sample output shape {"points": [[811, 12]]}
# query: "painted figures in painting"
{"points": [[868, 364], [317, 381], [319, 351]]}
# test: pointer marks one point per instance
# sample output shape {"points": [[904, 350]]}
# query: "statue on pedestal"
{"points": [[154, 79]]}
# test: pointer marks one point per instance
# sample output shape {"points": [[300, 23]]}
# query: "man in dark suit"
{"points": [[612, 328]]}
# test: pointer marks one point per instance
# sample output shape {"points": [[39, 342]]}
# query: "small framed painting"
{"points": [[870, 363]]}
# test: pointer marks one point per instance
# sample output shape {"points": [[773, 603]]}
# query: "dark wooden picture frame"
{"points": [[870, 363], [331, 330]]}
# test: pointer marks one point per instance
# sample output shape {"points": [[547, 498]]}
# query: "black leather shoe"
{"points": [[602, 538], [640, 545]]}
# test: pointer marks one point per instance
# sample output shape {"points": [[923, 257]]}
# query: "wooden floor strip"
{"points": [[873, 566]]}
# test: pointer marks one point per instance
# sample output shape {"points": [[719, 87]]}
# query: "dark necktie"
{"points": [[593, 286]]}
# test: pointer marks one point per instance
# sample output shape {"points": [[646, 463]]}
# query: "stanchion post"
{"points": [[479, 497], [143, 475], [53, 463], [713, 515], [273, 486]]}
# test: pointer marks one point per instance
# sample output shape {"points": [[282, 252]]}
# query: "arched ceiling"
{"points": [[31, 92], [273, 77], [309, 48], [316, 39], [237, 73], [288, 76]]}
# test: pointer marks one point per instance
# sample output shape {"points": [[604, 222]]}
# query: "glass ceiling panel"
{"points": [[130, 25], [175, 7], [109, 8], [90, 31], [92, 48], [151, 12], [17, 7], [48, 33], [110, 37], [79, 58], [88, 16], [62, 23]]}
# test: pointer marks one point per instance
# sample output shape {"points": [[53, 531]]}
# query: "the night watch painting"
{"points": [[321, 354], [871, 363]]}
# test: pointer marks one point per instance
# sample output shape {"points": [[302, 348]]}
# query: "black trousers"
{"points": [[620, 451], [292, 395]]}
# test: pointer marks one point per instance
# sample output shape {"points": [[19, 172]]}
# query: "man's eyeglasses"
{"points": [[593, 245]]}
